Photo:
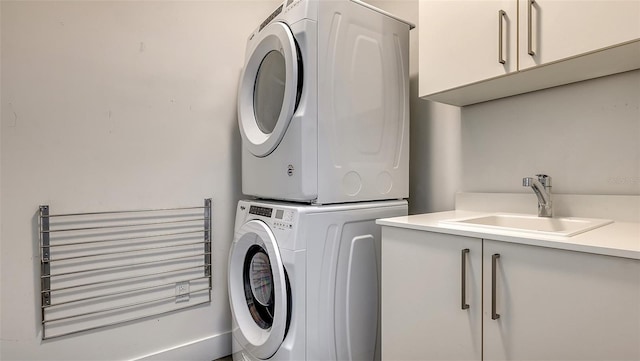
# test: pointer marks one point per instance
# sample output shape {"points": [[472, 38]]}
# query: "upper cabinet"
{"points": [[460, 42], [552, 30], [476, 50]]}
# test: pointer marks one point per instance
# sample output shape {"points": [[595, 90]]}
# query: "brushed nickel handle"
{"points": [[501, 15], [529, 28], [464, 279], [494, 261]]}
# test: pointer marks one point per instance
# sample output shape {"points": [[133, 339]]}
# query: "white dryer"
{"points": [[323, 104], [304, 280]]}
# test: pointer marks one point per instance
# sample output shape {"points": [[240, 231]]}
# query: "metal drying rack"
{"points": [[101, 269]]}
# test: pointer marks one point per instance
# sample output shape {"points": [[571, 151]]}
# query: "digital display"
{"points": [[279, 213], [261, 211]]}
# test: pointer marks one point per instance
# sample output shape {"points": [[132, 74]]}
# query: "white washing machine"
{"points": [[323, 104], [304, 280]]}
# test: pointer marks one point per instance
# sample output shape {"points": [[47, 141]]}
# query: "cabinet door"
{"points": [[459, 42], [422, 313], [560, 305], [565, 28]]}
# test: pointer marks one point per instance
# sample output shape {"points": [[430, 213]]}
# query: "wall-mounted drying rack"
{"points": [[101, 269]]}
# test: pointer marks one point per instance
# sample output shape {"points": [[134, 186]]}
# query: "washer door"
{"points": [[269, 89], [257, 290]]}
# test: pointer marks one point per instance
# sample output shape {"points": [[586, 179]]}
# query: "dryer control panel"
{"points": [[273, 15]]}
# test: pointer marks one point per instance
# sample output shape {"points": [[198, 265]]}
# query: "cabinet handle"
{"points": [[529, 29], [464, 279], [501, 16], [494, 261]]}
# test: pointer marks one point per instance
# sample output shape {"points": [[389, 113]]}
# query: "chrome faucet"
{"points": [[542, 188]]}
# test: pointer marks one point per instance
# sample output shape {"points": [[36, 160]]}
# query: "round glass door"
{"points": [[269, 89], [258, 286], [268, 93], [257, 290]]}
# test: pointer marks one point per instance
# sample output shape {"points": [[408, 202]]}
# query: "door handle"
{"points": [[494, 262], [501, 17], [464, 279], [530, 28]]}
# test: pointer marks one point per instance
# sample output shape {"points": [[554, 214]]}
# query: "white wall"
{"points": [[118, 105], [435, 132], [586, 136]]}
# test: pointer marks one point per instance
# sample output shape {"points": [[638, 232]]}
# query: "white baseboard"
{"points": [[205, 349]]}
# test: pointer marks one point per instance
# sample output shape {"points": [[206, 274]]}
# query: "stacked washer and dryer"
{"points": [[323, 111]]}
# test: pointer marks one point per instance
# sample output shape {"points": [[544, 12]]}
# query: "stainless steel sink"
{"points": [[529, 223]]}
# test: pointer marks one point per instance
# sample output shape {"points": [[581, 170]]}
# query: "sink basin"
{"points": [[566, 227]]}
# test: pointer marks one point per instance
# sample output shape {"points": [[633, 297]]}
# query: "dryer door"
{"points": [[257, 290], [269, 89]]}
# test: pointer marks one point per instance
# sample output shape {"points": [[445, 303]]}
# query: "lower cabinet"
{"points": [[422, 313], [447, 297]]}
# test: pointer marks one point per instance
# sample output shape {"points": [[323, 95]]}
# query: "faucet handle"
{"points": [[544, 179]]}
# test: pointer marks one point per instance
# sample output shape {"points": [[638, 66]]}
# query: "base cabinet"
{"points": [[560, 305], [537, 303], [422, 313]]}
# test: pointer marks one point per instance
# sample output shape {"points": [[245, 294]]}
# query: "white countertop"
{"points": [[619, 239]]}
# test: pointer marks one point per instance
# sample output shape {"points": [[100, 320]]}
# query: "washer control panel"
{"points": [[261, 211], [283, 219], [280, 218]]}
